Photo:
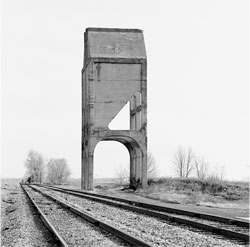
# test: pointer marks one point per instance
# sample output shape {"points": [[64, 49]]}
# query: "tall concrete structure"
{"points": [[114, 73]]}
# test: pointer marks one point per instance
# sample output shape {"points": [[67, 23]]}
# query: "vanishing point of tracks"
{"points": [[127, 222]]}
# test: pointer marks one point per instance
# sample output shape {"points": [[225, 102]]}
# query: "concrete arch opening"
{"points": [[110, 158], [137, 153]]}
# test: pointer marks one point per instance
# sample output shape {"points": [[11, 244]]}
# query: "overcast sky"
{"points": [[198, 92]]}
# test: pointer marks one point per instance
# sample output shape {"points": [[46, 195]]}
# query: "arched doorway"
{"points": [[111, 163]]}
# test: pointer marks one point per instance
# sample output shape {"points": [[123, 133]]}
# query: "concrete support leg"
{"points": [[138, 174], [83, 172], [90, 174], [86, 172], [132, 167]]}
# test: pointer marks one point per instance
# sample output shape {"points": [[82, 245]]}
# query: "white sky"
{"points": [[198, 92]]}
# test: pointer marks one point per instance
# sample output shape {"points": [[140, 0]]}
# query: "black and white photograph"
{"points": [[125, 123]]}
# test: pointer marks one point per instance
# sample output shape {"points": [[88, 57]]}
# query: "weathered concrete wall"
{"points": [[114, 86], [115, 43], [114, 73]]}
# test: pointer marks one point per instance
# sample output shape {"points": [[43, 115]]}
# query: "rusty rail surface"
{"points": [[114, 230], [158, 211]]}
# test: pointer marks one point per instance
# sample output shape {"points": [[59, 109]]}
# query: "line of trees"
{"points": [[35, 166], [58, 171], [187, 163], [38, 169]]}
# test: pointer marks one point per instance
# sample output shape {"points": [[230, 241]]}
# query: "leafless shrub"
{"points": [[122, 174], [201, 167], [58, 171], [183, 162], [218, 174], [152, 169], [221, 172]]}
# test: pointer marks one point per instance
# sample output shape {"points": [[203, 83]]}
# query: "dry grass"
{"points": [[209, 193], [223, 194]]}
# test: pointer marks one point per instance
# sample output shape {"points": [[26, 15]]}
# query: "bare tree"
{"points": [[220, 171], [122, 174], [183, 162], [179, 162], [58, 171], [218, 174], [35, 166], [201, 167], [152, 169]]}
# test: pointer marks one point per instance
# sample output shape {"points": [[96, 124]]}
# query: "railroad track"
{"points": [[68, 224], [228, 227]]}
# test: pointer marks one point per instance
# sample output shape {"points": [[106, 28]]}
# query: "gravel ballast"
{"points": [[152, 230], [20, 225], [74, 230]]}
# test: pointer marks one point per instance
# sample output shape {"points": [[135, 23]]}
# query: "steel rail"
{"points": [[114, 230], [165, 208], [45, 220], [214, 229]]}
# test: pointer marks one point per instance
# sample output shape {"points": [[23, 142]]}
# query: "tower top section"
{"points": [[114, 43]]}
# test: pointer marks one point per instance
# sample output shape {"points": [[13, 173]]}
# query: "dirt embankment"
{"points": [[218, 196], [194, 191]]}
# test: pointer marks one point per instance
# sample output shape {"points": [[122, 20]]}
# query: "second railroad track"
{"points": [[217, 227]]}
